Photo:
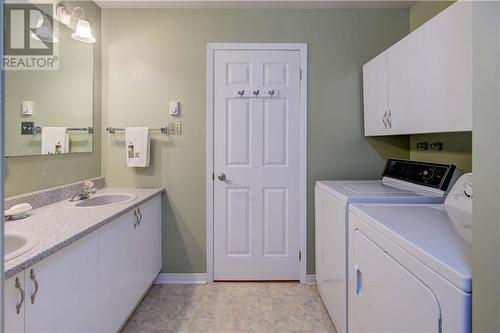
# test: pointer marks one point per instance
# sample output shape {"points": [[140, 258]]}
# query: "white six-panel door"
{"points": [[257, 150]]}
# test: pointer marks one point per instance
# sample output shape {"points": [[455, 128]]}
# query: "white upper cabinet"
{"points": [[448, 61], [375, 95], [406, 82], [427, 81]]}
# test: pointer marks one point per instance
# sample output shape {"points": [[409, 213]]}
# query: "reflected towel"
{"points": [[55, 140], [137, 146]]}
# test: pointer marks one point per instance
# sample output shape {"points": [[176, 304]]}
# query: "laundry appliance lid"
{"points": [[352, 191], [429, 233]]}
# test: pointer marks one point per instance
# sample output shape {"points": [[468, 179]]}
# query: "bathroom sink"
{"points": [[17, 244], [104, 200]]}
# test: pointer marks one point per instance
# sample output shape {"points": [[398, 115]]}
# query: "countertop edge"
{"points": [[44, 254]]}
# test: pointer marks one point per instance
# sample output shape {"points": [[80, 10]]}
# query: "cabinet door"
{"points": [[13, 304], [448, 56], [67, 298], [406, 80], [331, 256], [384, 296], [149, 242], [375, 95], [118, 272]]}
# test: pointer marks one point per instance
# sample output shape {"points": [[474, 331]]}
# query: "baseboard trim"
{"points": [[180, 278], [201, 278], [310, 279]]}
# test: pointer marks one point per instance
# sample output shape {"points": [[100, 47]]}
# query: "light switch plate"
{"points": [[27, 108], [174, 108]]}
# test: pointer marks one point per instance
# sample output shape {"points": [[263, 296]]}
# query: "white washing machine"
{"points": [[402, 182], [410, 265]]}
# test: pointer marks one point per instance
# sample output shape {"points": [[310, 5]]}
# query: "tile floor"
{"points": [[231, 307]]}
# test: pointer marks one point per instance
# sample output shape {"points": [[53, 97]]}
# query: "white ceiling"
{"points": [[291, 4]]}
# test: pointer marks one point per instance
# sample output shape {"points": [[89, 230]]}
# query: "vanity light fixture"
{"points": [[43, 30], [76, 20], [83, 32]]}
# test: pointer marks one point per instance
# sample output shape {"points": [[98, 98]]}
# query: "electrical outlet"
{"points": [[171, 128], [27, 128], [178, 127]]}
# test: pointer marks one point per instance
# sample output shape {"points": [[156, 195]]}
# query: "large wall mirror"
{"points": [[50, 111]]}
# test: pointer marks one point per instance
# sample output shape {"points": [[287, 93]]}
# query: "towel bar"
{"points": [[90, 130], [112, 130]]}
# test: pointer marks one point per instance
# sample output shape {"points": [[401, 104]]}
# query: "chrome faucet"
{"points": [[85, 193]]}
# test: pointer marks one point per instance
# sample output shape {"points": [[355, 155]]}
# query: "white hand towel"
{"points": [[55, 140], [137, 147]]}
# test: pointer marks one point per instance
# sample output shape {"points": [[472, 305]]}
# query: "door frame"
{"points": [[211, 48]]}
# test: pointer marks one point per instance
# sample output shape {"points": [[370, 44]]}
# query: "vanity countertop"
{"points": [[58, 225]]}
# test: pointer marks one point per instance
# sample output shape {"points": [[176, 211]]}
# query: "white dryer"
{"points": [[402, 182], [410, 265]]}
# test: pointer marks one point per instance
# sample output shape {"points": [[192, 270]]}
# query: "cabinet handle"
{"points": [[33, 277], [140, 216], [358, 281], [384, 119], [136, 219], [389, 119], [21, 291]]}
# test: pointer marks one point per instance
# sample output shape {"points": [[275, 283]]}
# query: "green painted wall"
{"points": [[153, 56], [32, 173], [457, 146], [422, 11], [486, 160]]}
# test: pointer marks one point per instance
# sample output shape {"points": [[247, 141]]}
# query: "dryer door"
{"points": [[385, 296]]}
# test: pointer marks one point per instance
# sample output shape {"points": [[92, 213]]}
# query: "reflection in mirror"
{"points": [[51, 111]]}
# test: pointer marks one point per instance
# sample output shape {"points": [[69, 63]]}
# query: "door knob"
{"points": [[221, 176]]}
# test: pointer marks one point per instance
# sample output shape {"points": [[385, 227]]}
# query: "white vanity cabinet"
{"points": [[14, 303], [423, 83], [148, 243], [130, 259], [62, 290], [93, 284]]}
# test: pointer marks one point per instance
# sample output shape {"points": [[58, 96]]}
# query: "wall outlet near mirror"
{"points": [[27, 128], [175, 128]]}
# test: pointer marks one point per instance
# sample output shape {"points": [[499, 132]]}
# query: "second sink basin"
{"points": [[17, 244], [105, 199]]}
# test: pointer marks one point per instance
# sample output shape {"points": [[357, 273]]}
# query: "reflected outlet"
{"points": [[178, 128], [175, 128]]}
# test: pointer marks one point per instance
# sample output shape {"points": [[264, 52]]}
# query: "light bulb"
{"points": [[83, 32]]}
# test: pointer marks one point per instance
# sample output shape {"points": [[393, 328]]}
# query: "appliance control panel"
{"points": [[432, 175]]}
